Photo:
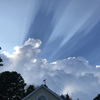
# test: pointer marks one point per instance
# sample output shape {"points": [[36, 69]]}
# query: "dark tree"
{"points": [[97, 97], [66, 97], [29, 89], [11, 86], [1, 60], [63, 97]]}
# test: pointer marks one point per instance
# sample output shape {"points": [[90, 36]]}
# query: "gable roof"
{"points": [[46, 88]]}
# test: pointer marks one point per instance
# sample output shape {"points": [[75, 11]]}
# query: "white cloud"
{"points": [[72, 75], [97, 66]]}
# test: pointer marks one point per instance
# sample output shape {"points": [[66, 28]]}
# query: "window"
{"points": [[42, 97]]}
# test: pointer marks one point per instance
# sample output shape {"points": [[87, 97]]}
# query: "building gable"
{"points": [[42, 92]]}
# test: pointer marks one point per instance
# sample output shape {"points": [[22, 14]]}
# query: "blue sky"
{"points": [[14, 22], [59, 39], [71, 28]]}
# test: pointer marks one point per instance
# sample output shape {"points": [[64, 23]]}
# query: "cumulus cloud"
{"points": [[73, 75]]}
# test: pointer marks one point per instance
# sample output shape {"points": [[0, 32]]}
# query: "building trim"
{"points": [[42, 86]]}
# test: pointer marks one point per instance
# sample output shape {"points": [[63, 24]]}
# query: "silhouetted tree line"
{"points": [[1, 60], [97, 97], [66, 97], [13, 87]]}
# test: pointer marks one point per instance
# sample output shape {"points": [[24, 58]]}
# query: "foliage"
{"points": [[11, 86], [63, 97], [66, 97], [29, 89], [97, 97], [1, 60]]}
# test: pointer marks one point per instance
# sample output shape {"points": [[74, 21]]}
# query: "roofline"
{"points": [[52, 92], [32, 92], [44, 88]]}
